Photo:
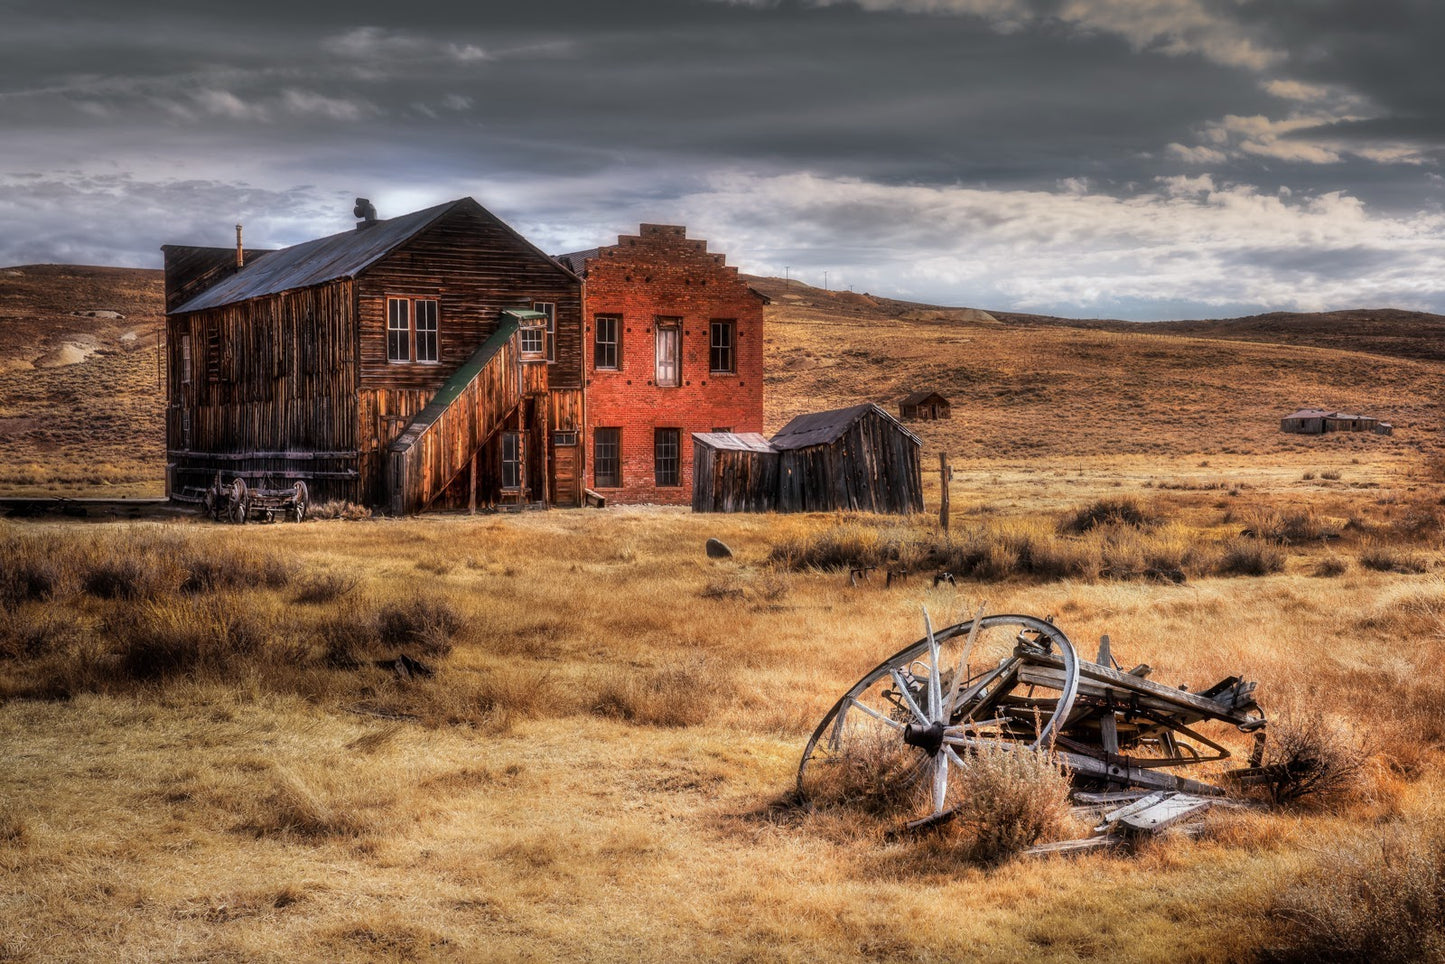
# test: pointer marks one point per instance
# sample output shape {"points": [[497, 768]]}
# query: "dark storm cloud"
{"points": [[957, 150]]}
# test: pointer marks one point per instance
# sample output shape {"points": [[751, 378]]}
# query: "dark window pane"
{"points": [[606, 457], [664, 455]]}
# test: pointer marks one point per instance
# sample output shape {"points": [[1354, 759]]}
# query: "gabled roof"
{"points": [[825, 428], [918, 397], [337, 257], [734, 441]]}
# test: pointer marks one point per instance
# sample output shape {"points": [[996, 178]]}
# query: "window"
{"points": [[532, 338], [606, 328], [398, 329], [511, 460], [185, 359], [606, 458], [664, 456], [549, 309], [564, 439], [426, 331], [722, 359], [411, 330], [669, 352]]}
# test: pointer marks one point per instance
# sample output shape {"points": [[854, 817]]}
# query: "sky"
{"points": [[1141, 159]]}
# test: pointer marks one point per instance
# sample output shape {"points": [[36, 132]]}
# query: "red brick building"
{"points": [[673, 344]]}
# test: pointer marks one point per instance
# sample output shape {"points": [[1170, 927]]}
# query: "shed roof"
{"points": [[734, 441], [825, 428], [919, 397], [576, 261]]}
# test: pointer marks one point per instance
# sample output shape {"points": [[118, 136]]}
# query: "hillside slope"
{"points": [[81, 404]]}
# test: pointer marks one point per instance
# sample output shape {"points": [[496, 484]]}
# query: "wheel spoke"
{"points": [[908, 697], [962, 662], [854, 704], [940, 781], [935, 690]]}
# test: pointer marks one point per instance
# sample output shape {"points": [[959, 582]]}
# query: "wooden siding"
{"points": [[271, 393], [442, 439], [873, 467], [728, 480]]}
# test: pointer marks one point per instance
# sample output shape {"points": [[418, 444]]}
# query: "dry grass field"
{"points": [[211, 755]]}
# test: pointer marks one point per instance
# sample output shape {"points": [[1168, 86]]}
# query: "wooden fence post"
{"points": [[943, 488]]}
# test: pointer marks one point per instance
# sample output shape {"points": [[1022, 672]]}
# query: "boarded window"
{"points": [[664, 456], [213, 350], [722, 358], [606, 458], [185, 359], [549, 309], [511, 460], [398, 329], [669, 352], [426, 331], [605, 355]]}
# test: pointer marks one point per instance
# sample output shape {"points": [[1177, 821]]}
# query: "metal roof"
{"points": [[576, 261], [825, 428], [734, 441], [316, 262], [917, 397]]}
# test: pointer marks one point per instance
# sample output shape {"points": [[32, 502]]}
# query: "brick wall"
{"points": [[661, 273]]}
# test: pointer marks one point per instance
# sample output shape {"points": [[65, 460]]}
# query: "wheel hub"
{"points": [[927, 738]]}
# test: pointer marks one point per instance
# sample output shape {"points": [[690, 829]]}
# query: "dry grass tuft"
{"points": [[1377, 902], [678, 694], [1007, 801], [1122, 511], [1383, 557], [1249, 556], [279, 802]]}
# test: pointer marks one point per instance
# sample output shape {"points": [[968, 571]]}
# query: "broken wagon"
{"points": [[1014, 682], [236, 501]]}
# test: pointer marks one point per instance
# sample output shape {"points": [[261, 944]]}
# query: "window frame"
{"points": [[730, 326], [405, 341], [398, 337], [673, 327], [532, 342], [432, 333], [614, 344], [511, 466], [611, 461], [549, 308], [187, 359], [667, 468]]}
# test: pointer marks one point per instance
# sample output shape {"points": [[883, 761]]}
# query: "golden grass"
{"points": [[599, 765]]}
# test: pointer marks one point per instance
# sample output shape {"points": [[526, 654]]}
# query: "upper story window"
{"points": [[533, 341], [411, 330], [185, 359], [722, 351], [549, 308], [669, 352], [607, 329]]}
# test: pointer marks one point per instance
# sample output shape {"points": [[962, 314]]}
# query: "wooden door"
{"points": [[566, 486]]}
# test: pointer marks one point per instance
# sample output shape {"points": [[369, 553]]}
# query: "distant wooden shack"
{"points": [[859, 458], [924, 407], [733, 472], [1317, 421]]}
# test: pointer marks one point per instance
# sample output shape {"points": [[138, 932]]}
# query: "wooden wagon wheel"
{"points": [[896, 734], [240, 502], [300, 502]]}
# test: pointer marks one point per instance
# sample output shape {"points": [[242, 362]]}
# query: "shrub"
{"points": [[1249, 556], [1110, 512], [679, 694], [423, 623], [1381, 902], [876, 774], [1289, 528], [1007, 801], [325, 587], [33, 631], [1331, 566], [33, 568], [1311, 761], [1383, 558], [161, 640]]}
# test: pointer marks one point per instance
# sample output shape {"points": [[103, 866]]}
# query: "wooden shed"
{"points": [[924, 406], [733, 472], [1317, 421], [858, 458], [427, 360]]}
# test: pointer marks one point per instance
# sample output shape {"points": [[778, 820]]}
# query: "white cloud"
{"points": [[1196, 155], [303, 103]]}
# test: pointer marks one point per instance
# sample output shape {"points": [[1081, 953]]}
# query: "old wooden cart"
{"points": [[1013, 682], [236, 501]]}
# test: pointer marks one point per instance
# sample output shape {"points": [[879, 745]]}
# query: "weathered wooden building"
{"points": [[733, 472], [426, 360], [859, 458], [924, 406], [1317, 421]]}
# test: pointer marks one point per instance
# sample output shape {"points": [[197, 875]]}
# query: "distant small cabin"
{"points": [[1317, 421], [924, 407], [858, 458]]}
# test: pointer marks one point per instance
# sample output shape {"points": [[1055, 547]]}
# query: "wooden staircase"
{"points": [[464, 414]]}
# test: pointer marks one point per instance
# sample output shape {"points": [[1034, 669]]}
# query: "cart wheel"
{"points": [[896, 735], [301, 502], [240, 502]]}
